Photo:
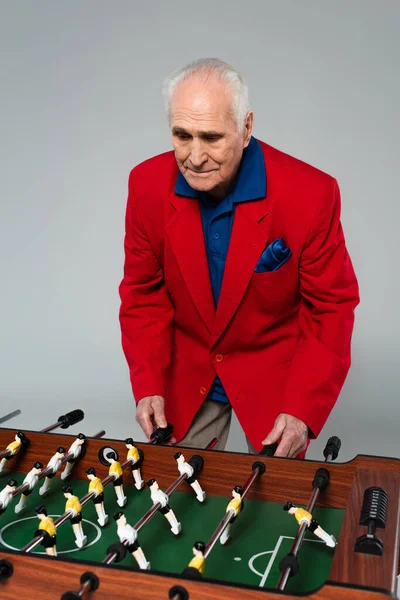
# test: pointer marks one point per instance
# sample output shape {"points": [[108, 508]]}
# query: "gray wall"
{"points": [[80, 105]]}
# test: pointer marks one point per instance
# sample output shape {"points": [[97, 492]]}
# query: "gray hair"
{"points": [[204, 67]]}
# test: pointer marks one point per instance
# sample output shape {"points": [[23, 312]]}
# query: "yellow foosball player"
{"points": [[74, 507], [235, 506], [303, 516], [12, 449], [97, 488], [136, 462], [198, 561], [47, 527], [116, 471]]}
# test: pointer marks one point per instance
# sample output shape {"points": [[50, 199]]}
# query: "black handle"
{"points": [[332, 447], [373, 515], [321, 479], [269, 449], [71, 418], [92, 578], [6, 569], [197, 462], [162, 434]]}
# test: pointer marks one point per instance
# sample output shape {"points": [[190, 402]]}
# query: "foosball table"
{"points": [[94, 518]]}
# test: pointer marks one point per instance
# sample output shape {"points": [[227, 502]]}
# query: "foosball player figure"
{"points": [[48, 530], [128, 533], [75, 450], [187, 469], [74, 507], [54, 464], [195, 568], [303, 516], [160, 497], [14, 447], [136, 462], [236, 505], [97, 488], [116, 471], [31, 480], [6, 495]]}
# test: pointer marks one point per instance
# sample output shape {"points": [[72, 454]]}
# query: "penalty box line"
{"points": [[274, 552]]}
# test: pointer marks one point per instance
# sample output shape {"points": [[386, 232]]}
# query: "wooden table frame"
{"points": [[353, 575]]}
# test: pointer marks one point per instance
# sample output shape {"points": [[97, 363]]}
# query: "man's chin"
{"points": [[201, 184]]}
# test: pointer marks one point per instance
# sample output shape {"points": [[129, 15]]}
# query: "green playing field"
{"points": [[260, 537]]}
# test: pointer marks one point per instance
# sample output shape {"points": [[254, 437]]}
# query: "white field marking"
{"points": [[98, 535], [237, 558], [274, 552]]}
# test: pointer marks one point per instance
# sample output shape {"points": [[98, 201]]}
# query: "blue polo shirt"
{"points": [[217, 218]]}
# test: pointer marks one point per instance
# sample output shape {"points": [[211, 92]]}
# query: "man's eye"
{"points": [[212, 138], [182, 136]]}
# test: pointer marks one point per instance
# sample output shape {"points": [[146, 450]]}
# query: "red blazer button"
{"points": [[219, 358], [203, 390]]}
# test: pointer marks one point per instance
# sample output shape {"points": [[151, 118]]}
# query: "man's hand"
{"points": [[150, 415], [292, 433]]}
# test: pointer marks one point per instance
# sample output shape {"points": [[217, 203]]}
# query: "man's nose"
{"points": [[197, 156]]}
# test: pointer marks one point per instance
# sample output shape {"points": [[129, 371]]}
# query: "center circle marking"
{"points": [[97, 528]]}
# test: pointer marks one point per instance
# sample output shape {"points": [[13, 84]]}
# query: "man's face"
{"points": [[208, 147]]}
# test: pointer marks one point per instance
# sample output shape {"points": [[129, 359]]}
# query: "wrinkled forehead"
{"points": [[202, 105]]}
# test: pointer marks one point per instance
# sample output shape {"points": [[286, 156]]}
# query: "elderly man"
{"points": [[238, 292]]}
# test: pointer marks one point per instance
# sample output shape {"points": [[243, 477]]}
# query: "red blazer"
{"points": [[279, 341]]}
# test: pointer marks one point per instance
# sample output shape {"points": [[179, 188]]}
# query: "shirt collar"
{"points": [[251, 182]]}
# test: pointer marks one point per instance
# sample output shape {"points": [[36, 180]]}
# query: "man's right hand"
{"points": [[150, 414]]}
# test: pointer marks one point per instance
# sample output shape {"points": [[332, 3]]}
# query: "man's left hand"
{"points": [[293, 434]]}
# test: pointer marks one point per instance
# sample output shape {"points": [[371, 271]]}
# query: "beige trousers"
{"points": [[213, 420]]}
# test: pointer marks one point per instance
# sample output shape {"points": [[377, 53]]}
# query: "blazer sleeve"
{"points": [[329, 291], [146, 311]]}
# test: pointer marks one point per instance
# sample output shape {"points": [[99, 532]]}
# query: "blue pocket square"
{"points": [[273, 257]]}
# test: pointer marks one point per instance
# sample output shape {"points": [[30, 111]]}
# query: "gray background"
{"points": [[80, 105]]}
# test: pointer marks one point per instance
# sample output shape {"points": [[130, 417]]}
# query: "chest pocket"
{"points": [[279, 289]]}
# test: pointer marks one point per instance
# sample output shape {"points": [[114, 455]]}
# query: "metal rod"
{"points": [[22, 488], [50, 428], [211, 445], [85, 588], [65, 421], [10, 415], [152, 511], [100, 434], [298, 540], [67, 515], [110, 558], [223, 524]]}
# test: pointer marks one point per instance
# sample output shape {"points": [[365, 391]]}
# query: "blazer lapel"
{"points": [[248, 239], [185, 234]]}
